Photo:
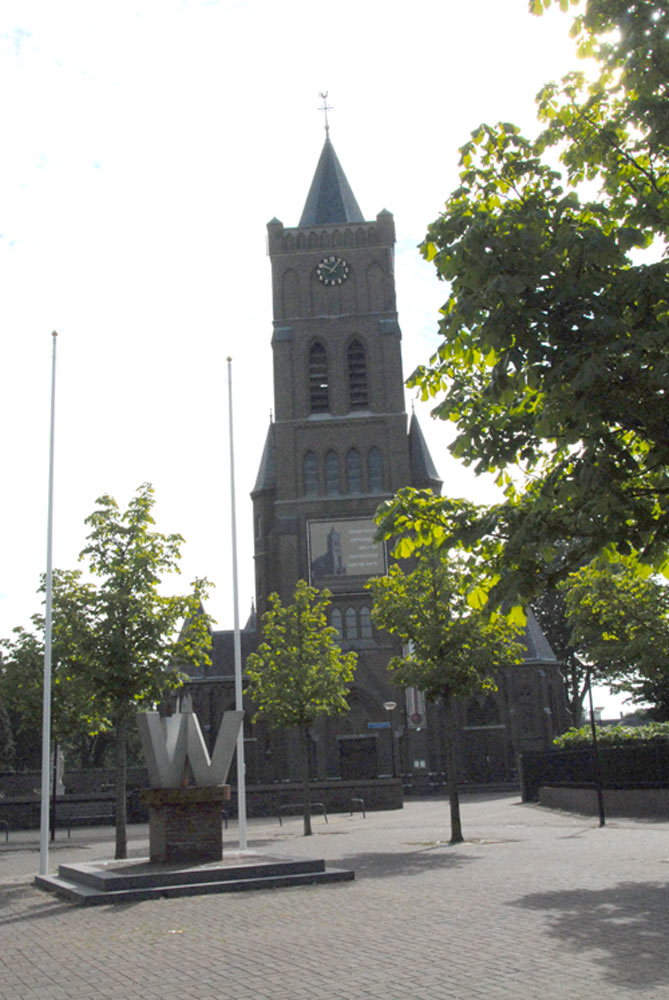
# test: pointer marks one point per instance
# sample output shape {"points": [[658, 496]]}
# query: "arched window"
{"points": [[332, 474], [353, 472], [351, 624], [335, 620], [310, 474], [318, 378], [357, 376], [365, 624], [375, 470]]}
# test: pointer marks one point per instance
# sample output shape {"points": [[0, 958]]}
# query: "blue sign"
{"points": [[378, 725]]}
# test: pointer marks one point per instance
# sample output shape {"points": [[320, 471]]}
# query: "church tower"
{"points": [[339, 443]]}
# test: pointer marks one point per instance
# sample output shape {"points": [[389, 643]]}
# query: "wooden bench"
{"points": [[298, 807], [84, 812]]}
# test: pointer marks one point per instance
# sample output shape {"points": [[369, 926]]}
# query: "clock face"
{"points": [[332, 270]]}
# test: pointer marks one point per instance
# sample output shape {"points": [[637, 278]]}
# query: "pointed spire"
{"points": [[330, 198]]}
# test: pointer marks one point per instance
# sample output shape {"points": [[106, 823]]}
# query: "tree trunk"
{"points": [[576, 700], [121, 732], [306, 785], [452, 774]]}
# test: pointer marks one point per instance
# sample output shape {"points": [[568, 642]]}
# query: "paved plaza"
{"points": [[535, 904]]}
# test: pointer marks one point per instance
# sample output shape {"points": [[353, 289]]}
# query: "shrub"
{"points": [[613, 735]]}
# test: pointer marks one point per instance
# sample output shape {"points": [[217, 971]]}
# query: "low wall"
{"points": [[640, 803], [336, 795], [23, 812], [632, 765]]}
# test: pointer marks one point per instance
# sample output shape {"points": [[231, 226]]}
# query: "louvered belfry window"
{"points": [[318, 379], [357, 376]]}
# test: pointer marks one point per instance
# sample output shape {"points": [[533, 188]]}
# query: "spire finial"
{"points": [[325, 108]]}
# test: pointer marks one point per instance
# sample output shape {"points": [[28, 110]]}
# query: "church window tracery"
{"points": [[353, 472], [332, 485], [365, 623], [375, 470], [318, 379], [310, 474], [351, 621], [335, 621], [357, 376]]}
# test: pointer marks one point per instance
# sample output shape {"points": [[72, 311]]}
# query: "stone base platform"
{"points": [[131, 881], [185, 823]]}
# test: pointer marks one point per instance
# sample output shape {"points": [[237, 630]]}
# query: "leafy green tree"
{"points": [[139, 635], [620, 621], [298, 672], [78, 712], [453, 648], [6, 740], [116, 642], [551, 613], [555, 333]]}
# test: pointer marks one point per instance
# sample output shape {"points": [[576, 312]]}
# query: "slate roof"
{"points": [[537, 646], [266, 478], [423, 473], [330, 198]]}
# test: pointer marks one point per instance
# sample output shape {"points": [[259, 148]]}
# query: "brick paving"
{"points": [[536, 905]]}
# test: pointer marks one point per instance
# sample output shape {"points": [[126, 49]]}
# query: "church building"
{"points": [[341, 443]]}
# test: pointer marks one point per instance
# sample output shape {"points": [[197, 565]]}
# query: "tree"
{"points": [[555, 333], [620, 621], [551, 613], [138, 638], [78, 712], [454, 648], [298, 672], [6, 740], [117, 642]]}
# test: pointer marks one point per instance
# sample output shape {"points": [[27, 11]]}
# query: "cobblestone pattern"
{"points": [[535, 905]]}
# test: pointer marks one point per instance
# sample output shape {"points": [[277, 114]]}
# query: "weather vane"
{"points": [[325, 108]]}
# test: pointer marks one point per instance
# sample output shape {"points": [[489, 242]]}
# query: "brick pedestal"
{"points": [[185, 824]]}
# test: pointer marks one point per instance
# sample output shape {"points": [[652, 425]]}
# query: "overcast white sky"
{"points": [[146, 144]]}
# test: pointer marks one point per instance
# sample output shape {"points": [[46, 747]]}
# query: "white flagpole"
{"points": [[46, 701], [241, 768]]}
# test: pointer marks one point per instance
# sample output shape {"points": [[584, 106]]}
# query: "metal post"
{"points": [[595, 756], [241, 767], [46, 697], [390, 707]]}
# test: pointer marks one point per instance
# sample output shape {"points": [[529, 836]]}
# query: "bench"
{"points": [[84, 812], [298, 807]]}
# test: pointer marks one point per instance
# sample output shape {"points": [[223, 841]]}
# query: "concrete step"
{"points": [[113, 882]]}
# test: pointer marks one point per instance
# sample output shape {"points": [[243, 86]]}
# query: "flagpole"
{"points": [[46, 700], [241, 768]]}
